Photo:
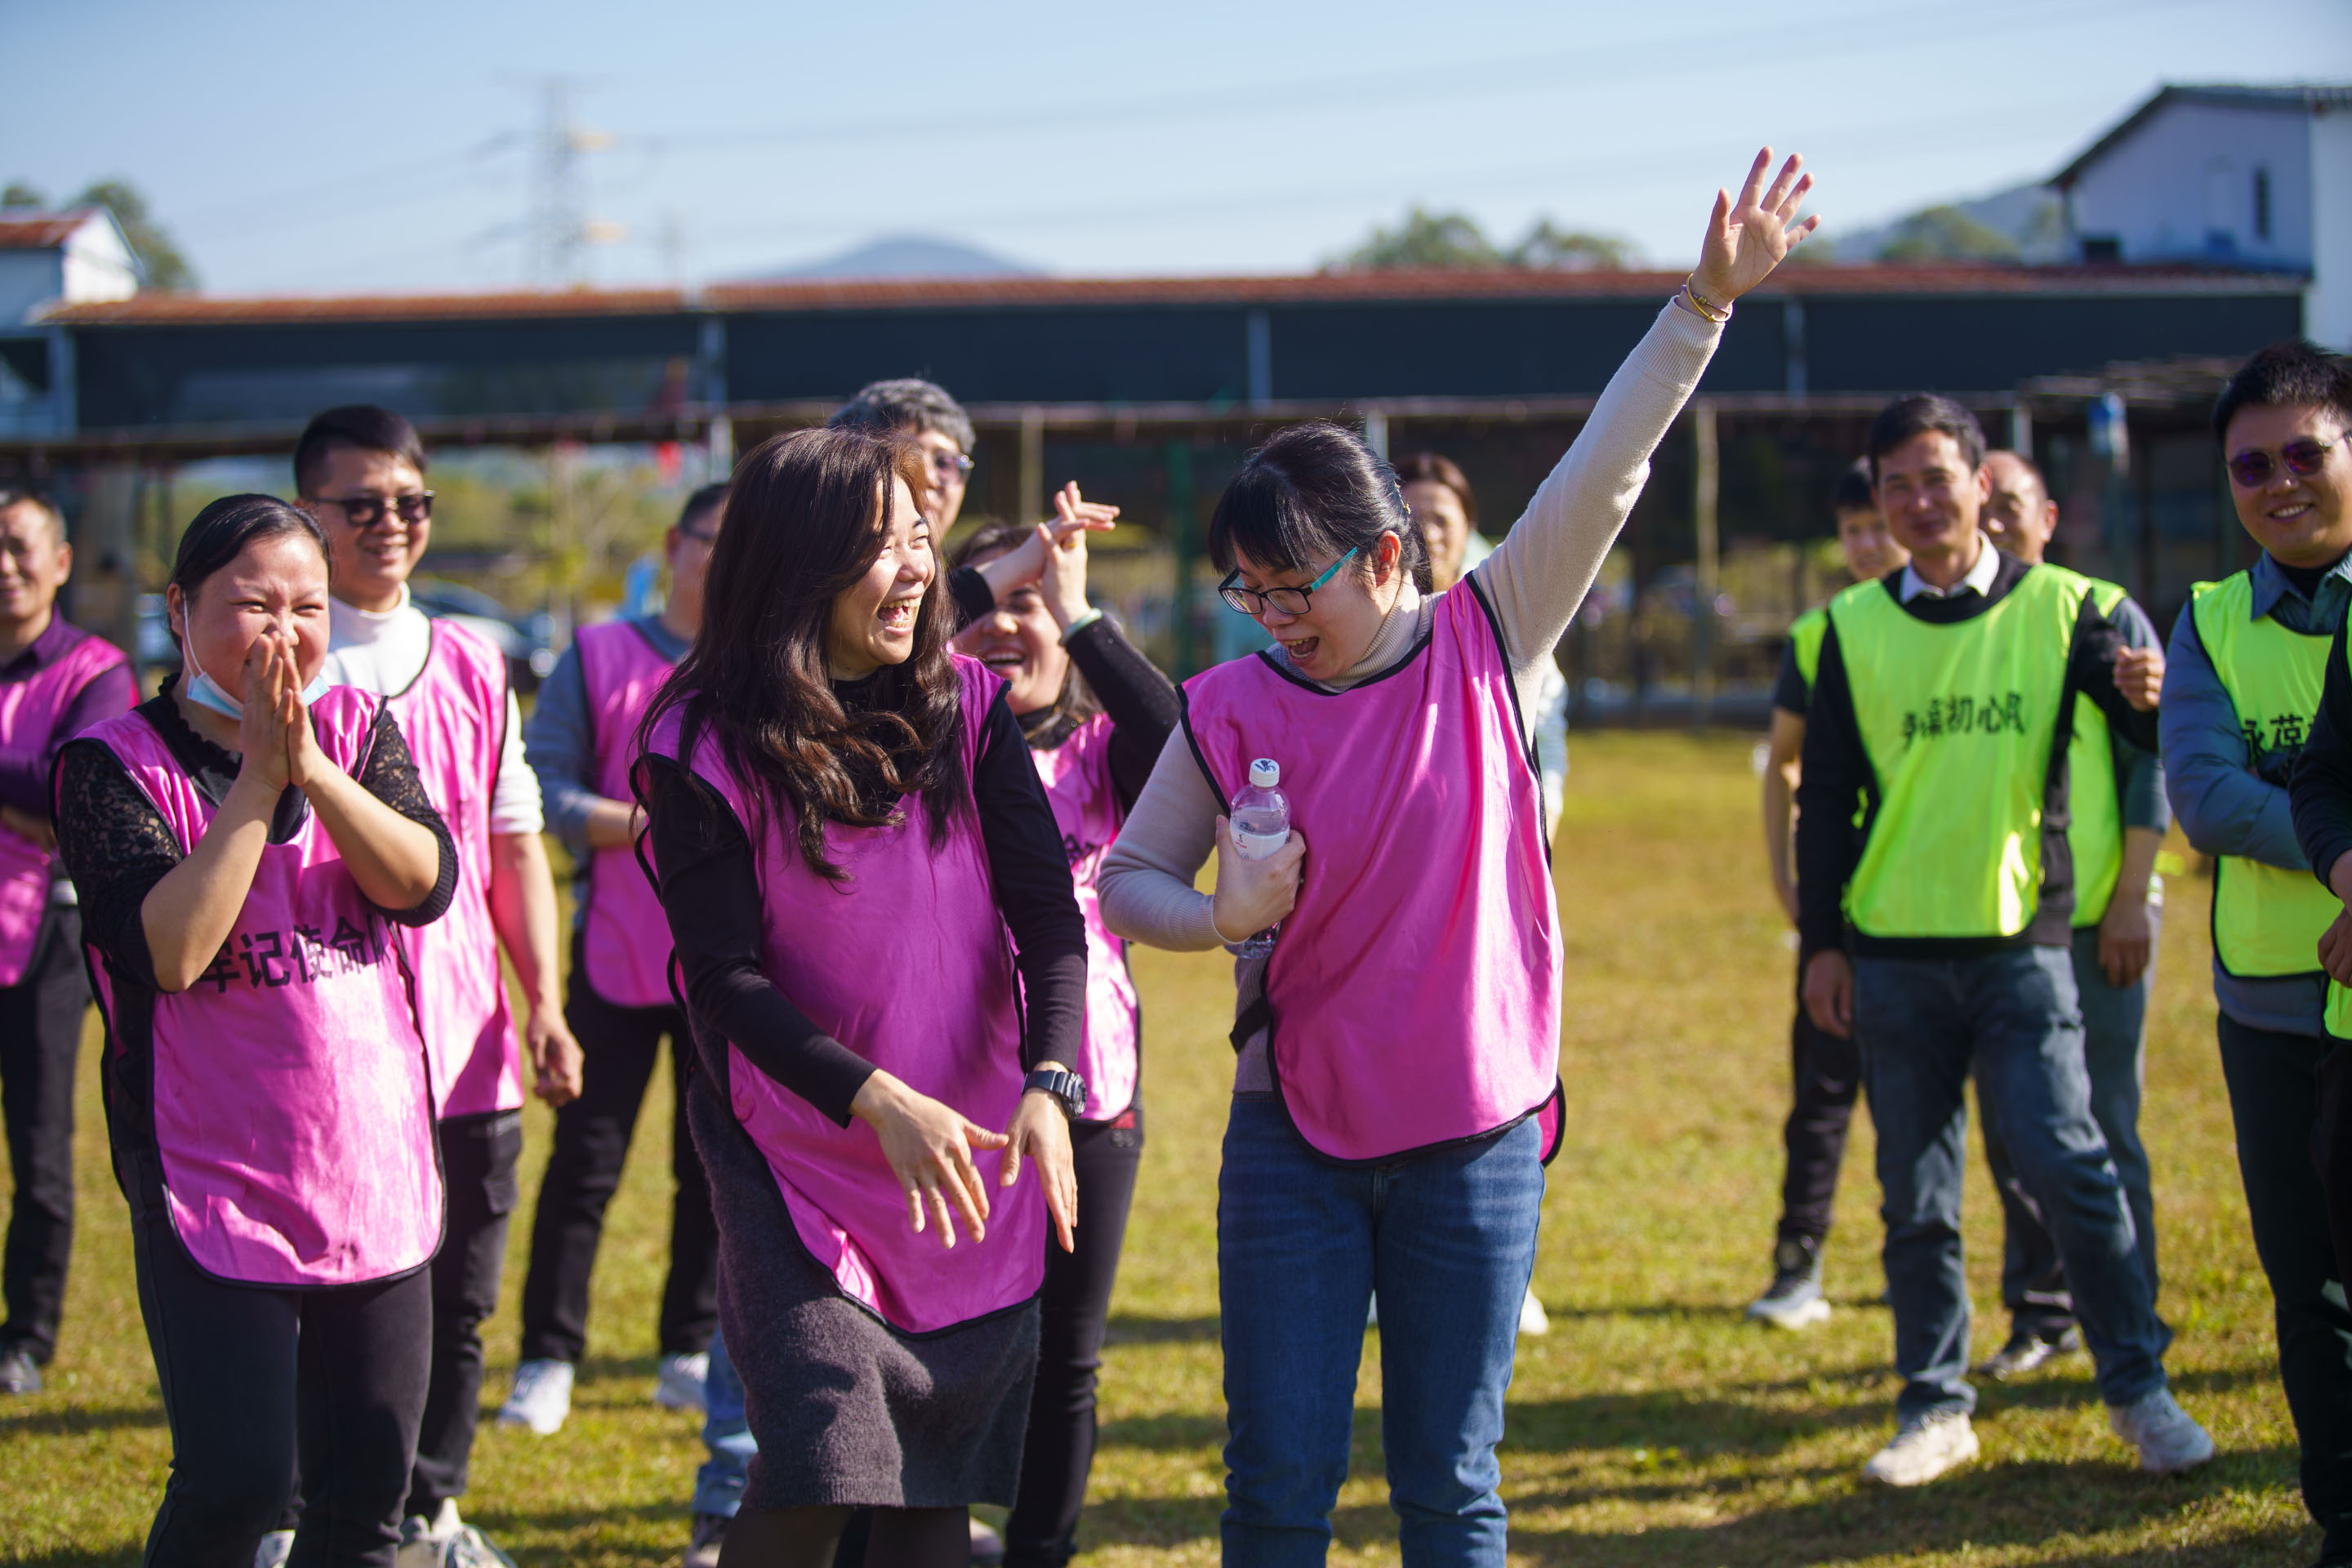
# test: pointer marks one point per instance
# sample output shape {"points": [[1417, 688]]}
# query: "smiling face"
{"points": [[2018, 514], [34, 561], [372, 563], [1932, 498], [2302, 520], [1342, 617], [944, 501], [275, 586], [1021, 642], [873, 621], [1445, 523], [1870, 550]]}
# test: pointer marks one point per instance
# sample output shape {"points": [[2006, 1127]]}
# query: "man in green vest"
{"points": [[1945, 698], [1827, 1073], [2118, 820], [2257, 696]]}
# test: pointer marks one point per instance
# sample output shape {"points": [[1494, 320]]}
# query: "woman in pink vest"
{"points": [[1096, 714], [55, 680], [242, 846], [1397, 1088], [884, 964]]}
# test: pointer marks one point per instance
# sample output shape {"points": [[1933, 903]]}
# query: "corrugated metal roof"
{"points": [[2309, 98], [191, 310], [42, 231]]}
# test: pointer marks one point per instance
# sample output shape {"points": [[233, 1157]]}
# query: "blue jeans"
{"points": [[2114, 1047], [719, 1484], [2015, 1016], [1449, 1239]]}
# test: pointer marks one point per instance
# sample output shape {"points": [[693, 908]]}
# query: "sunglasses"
{"points": [[366, 512], [951, 465], [2304, 457], [1289, 601]]}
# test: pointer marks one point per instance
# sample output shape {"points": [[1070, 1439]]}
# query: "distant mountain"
{"points": [[2028, 217], [905, 256]]}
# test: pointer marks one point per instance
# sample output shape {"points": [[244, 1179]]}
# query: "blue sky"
{"points": [[343, 149]]}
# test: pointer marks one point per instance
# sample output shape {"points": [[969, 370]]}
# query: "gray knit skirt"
{"points": [[846, 1408]]}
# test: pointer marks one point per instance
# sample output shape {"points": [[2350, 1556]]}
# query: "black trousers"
{"points": [[1059, 1449], [479, 1156], [1827, 1074], [619, 1047], [254, 1379], [2274, 1101], [40, 1038]]}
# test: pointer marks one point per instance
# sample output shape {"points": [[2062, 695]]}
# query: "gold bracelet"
{"points": [[1714, 312]]}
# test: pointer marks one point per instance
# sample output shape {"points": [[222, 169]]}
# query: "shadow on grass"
{"points": [[81, 1420], [73, 1557], [1128, 1329], [1692, 1422]]}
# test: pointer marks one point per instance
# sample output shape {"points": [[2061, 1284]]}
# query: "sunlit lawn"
{"points": [[1652, 1427]]}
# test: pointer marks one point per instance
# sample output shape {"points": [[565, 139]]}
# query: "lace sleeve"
{"points": [[117, 846], [390, 774]]}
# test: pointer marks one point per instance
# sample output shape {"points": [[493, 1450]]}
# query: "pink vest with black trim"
{"points": [[287, 1085], [1414, 995], [1076, 775], [28, 713], [454, 716], [909, 965], [624, 939]]}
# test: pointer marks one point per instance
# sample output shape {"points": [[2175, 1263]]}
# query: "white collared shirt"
{"points": [[384, 652], [1980, 577]]}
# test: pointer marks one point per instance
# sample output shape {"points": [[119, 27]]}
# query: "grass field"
{"points": [[1652, 1427]]}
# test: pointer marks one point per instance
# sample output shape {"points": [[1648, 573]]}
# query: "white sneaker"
{"points": [[275, 1549], [542, 1397], [683, 1383], [424, 1542], [1533, 1318], [2168, 1441], [1925, 1448]]}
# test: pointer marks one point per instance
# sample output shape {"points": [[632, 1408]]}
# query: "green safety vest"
{"points": [[2266, 919], [2094, 829], [1805, 635], [1959, 722]]}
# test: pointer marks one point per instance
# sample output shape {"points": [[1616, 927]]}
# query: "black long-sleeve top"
{"points": [[1144, 705], [2320, 792], [117, 846], [1836, 769], [710, 890]]}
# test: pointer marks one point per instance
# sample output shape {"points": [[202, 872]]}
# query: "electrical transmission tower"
{"points": [[560, 230]]}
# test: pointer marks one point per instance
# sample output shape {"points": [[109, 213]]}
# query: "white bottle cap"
{"points": [[1264, 774]]}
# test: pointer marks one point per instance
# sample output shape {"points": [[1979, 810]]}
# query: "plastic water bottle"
{"points": [[1261, 821]]}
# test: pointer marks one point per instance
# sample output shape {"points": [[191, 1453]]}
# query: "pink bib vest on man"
{"points": [[1414, 992], [28, 712], [1076, 775], [908, 963], [454, 716], [625, 937], [291, 1109]]}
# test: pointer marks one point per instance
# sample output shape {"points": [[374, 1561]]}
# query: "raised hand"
{"points": [[268, 680], [1064, 579], [1746, 240]]}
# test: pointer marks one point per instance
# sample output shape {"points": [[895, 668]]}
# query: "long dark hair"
{"points": [[807, 515], [1310, 495], [1075, 702]]}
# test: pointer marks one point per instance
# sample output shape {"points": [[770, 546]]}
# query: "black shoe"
{"points": [[2026, 1350], [17, 1373]]}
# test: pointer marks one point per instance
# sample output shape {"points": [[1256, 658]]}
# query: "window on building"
{"points": [[2261, 203]]}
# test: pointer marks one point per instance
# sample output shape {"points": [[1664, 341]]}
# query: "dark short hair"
{"points": [[218, 534], [1430, 467], [2294, 373], [907, 403], [34, 496], [361, 425], [1921, 413], [1855, 492], [2033, 468], [701, 504], [1310, 496]]}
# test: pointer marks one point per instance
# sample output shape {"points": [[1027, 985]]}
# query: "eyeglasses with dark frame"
{"points": [[1253, 601], [2304, 457], [366, 512]]}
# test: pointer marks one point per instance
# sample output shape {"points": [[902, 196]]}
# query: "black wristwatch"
{"points": [[1068, 1090]]}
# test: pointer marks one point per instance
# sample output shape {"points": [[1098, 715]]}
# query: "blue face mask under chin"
{"points": [[207, 692]]}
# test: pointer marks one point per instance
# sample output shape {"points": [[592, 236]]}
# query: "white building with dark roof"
{"points": [[67, 257], [2234, 176]]}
